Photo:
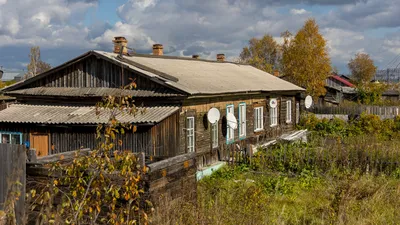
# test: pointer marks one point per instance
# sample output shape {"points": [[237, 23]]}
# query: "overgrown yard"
{"points": [[239, 196], [346, 174]]}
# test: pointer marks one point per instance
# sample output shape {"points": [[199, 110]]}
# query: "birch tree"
{"points": [[36, 65], [305, 59]]}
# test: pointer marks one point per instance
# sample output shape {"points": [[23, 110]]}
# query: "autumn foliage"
{"points": [[305, 59], [104, 187], [261, 53], [362, 68]]}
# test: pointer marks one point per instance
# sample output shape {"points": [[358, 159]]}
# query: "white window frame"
{"points": [[242, 120], [190, 125], [10, 137], [273, 114], [214, 134], [230, 132], [258, 118], [288, 111]]}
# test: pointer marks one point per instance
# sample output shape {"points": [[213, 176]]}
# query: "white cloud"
{"points": [[136, 38], [298, 11], [187, 27]]}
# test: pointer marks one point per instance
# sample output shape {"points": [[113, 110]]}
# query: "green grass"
{"points": [[306, 198], [322, 182]]}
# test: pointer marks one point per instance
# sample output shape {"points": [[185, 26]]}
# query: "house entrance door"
{"points": [[40, 142]]}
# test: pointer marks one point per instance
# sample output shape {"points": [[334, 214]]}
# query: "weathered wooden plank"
{"points": [[171, 161], [65, 156]]}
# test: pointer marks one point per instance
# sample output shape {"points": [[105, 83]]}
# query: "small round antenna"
{"points": [[273, 103], [308, 102], [213, 115], [231, 120]]}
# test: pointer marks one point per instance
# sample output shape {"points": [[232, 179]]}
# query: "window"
{"points": [[214, 134], [11, 138], [229, 130], [258, 119], [242, 120], [190, 134], [297, 112], [274, 115], [288, 111]]}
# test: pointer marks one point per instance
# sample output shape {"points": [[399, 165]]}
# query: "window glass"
{"points": [[288, 111], [214, 134], [5, 138], [230, 131], [16, 139], [274, 116], [190, 134], [258, 119], [242, 120]]}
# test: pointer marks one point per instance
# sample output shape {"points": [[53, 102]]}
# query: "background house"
{"points": [[55, 110], [338, 88]]}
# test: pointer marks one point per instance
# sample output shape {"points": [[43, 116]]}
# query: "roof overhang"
{"points": [[74, 115]]}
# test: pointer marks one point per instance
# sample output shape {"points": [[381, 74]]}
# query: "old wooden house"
{"points": [[55, 110]]}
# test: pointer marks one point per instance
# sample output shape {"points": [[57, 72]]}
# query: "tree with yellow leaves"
{"points": [[362, 68], [261, 53], [305, 60]]}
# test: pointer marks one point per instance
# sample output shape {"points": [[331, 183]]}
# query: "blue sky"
{"points": [[67, 28]]}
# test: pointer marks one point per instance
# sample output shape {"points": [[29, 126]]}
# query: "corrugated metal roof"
{"points": [[206, 77], [95, 92], [345, 82], [41, 114]]}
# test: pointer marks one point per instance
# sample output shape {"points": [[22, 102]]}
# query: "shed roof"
{"points": [[41, 114], [91, 92]]}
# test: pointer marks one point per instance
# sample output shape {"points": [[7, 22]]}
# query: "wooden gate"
{"points": [[40, 142]]}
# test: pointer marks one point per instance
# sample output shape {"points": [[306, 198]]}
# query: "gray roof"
{"points": [[40, 114], [349, 90], [11, 75], [191, 76], [91, 92], [205, 76]]}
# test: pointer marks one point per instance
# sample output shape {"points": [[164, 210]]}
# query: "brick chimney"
{"points": [[220, 57], [158, 49], [195, 56], [120, 42], [276, 73]]}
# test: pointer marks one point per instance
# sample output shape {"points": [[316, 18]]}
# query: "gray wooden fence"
{"points": [[13, 180], [385, 112]]}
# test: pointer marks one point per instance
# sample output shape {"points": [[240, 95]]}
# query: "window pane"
{"points": [[5, 138], [16, 139]]}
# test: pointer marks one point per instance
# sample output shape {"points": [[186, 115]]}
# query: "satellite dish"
{"points": [[231, 120], [273, 103], [213, 115], [308, 102]]}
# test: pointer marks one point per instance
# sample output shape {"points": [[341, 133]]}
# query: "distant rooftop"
{"points": [[10, 75]]}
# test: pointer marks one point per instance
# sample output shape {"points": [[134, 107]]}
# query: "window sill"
{"points": [[289, 122], [258, 130], [230, 141], [274, 125]]}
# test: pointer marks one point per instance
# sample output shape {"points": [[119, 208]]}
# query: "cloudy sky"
{"points": [[67, 28]]}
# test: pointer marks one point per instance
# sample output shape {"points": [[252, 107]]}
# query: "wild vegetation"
{"points": [[103, 187], [348, 173]]}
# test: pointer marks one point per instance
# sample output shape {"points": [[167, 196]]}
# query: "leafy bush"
{"points": [[366, 124]]}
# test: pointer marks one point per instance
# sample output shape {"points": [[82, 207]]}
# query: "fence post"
{"points": [[32, 155], [142, 159]]}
